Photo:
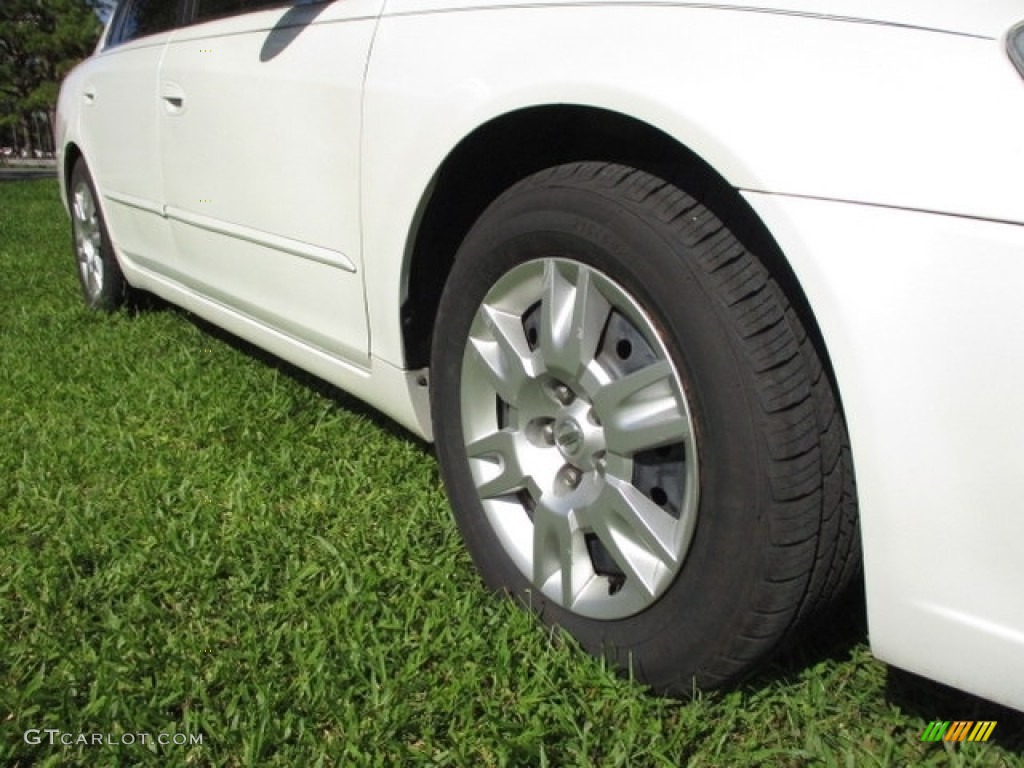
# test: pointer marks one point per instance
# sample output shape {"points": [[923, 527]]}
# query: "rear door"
{"points": [[261, 120]]}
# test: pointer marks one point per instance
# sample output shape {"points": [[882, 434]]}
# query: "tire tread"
{"points": [[811, 554]]}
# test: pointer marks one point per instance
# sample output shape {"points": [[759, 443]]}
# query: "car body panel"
{"points": [[858, 136], [269, 98], [983, 18]]}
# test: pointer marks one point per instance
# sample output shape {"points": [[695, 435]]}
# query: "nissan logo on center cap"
{"points": [[569, 437]]}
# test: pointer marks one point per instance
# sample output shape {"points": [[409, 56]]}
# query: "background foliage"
{"points": [[40, 41]]}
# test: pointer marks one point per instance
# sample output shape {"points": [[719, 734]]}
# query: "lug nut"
{"points": [[562, 393], [570, 477], [547, 432]]}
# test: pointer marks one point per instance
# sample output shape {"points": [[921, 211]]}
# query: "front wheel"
{"points": [[633, 428]]}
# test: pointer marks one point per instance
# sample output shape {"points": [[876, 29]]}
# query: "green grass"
{"points": [[196, 539]]}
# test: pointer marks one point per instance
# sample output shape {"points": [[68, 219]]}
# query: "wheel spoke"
{"points": [[572, 319], [499, 448], [561, 564], [84, 209], [504, 352], [640, 536], [642, 410], [652, 528]]}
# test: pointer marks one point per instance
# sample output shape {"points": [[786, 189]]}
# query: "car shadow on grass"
{"points": [[142, 302], [834, 636]]}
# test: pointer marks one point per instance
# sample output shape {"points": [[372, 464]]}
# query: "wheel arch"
{"points": [[519, 143], [71, 155]]}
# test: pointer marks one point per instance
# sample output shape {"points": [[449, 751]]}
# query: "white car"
{"points": [[658, 278]]}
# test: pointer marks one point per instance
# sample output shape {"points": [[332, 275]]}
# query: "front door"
{"points": [[261, 136]]}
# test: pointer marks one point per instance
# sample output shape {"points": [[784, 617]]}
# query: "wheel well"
{"points": [[71, 155], [514, 146]]}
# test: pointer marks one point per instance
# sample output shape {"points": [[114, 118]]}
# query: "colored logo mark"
{"points": [[958, 730]]}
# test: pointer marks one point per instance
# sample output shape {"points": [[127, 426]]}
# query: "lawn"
{"points": [[203, 543]]}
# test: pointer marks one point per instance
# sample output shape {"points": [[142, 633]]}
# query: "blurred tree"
{"points": [[40, 41]]}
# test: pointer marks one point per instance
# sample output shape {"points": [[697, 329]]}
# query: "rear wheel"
{"points": [[634, 430], [103, 283]]}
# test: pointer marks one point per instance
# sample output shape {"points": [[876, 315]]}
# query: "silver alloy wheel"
{"points": [[579, 437], [88, 238]]}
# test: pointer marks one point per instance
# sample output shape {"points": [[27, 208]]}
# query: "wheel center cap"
{"points": [[569, 437]]}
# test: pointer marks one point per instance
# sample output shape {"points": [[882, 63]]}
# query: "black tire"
{"points": [[103, 284], [763, 465]]}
